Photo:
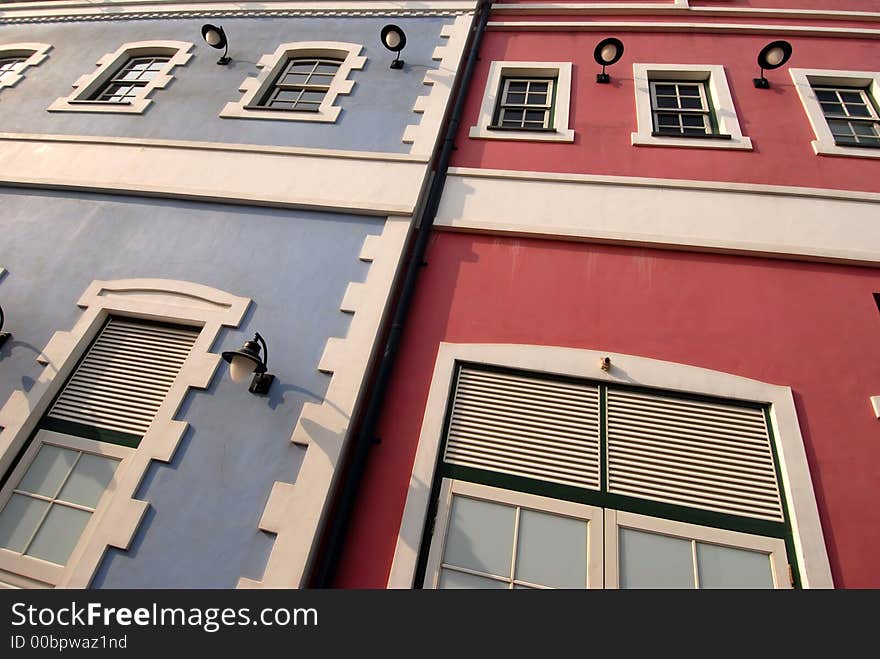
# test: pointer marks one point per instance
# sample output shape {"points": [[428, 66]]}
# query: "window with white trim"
{"points": [[637, 488], [125, 79], [685, 105], [127, 83], [97, 420], [16, 58], [300, 81], [526, 101], [851, 114], [9, 66], [843, 108]]}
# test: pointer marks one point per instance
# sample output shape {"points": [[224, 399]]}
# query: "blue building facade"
{"points": [[147, 191]]}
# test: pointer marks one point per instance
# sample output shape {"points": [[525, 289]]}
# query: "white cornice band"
{"points": [[37, 12]]}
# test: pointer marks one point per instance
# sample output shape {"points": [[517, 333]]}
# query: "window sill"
{"points": [[704, 136], [717, 141], [263, 108], [829, 148], [102, 103], [528, 135]]}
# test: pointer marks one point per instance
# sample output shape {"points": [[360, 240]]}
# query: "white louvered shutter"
{"points": [[125, 376], [526, 426], [698, 454]]}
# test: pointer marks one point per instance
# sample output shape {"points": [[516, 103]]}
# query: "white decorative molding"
{"points": [[153, 299], [256, 89], [809, 541], [679, 7], [434, 105], [875, 405], [296, 511], [108, 10], [836, 226], [215, 146], [804, 79], [696, 26], [374, 186], [561, 71], [36, 53], [721, 102], [88, 85]]}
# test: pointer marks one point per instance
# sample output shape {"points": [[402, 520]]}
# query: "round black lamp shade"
{"points": [[393, 38], [214, 36], [608, 51], [774, 55], [244, 361]]}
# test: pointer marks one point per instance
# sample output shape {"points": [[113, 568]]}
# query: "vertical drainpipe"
{"points": [[334, 536]]}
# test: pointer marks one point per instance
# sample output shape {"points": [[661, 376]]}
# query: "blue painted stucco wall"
{"points": [[201, 529], [373, 117]]}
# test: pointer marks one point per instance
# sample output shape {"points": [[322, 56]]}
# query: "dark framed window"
{"points": [[525, 104], [302, 84], [125, 84], [682, 109], [851, 114], [9, 65]]}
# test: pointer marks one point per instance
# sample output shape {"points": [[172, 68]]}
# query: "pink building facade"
{"points": [[645, 349]]}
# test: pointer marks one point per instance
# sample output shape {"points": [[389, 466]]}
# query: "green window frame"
{"points": [[603, 498], [525, 104]]}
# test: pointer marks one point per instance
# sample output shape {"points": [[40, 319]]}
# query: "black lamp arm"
{"points": [[262, 367], [2, 319]]}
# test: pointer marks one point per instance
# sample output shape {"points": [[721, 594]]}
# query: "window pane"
{"points": [[59, 534], [863, 128], [857, 110], [18, 521], [851, 97], [508, 115], [451, 579], [537, 99], [327, 68], [726, 567], [668, 120], [48, 470], [840, 127], [516, 98], [313, 96], [480, 536], [832, 108], [293, 79], [826, 95], [693, 120], [518, 86], [648, 560], [88, 481], [540, 87], [870, 141], [665, 90], [667, 102], [551, 550], [535, 115], [692, 102], [688, 90]]}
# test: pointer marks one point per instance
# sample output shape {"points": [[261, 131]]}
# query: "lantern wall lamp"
{"points": [[247, 360]]}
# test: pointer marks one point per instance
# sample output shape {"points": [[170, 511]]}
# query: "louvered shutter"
{"points": [[124, 377], [698, 454], [525, 426]]}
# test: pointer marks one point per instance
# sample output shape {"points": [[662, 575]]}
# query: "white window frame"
{"points": [[583, 512], [272, 64], [35, 53], [88, 85], [157, 300], [615, 520], [723, 109], [560, 71], [30, 567], [704, 111], [805, 79], [808, 539]]}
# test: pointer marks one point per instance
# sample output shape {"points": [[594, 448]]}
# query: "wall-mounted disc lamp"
{"points": [[608, 51], [247, 360], [772, 56], [215, 37], [394, 40], [4, 336]]}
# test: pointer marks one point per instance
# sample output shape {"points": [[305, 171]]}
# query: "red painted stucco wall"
{"points": [[604, 116], [813, 327]]}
